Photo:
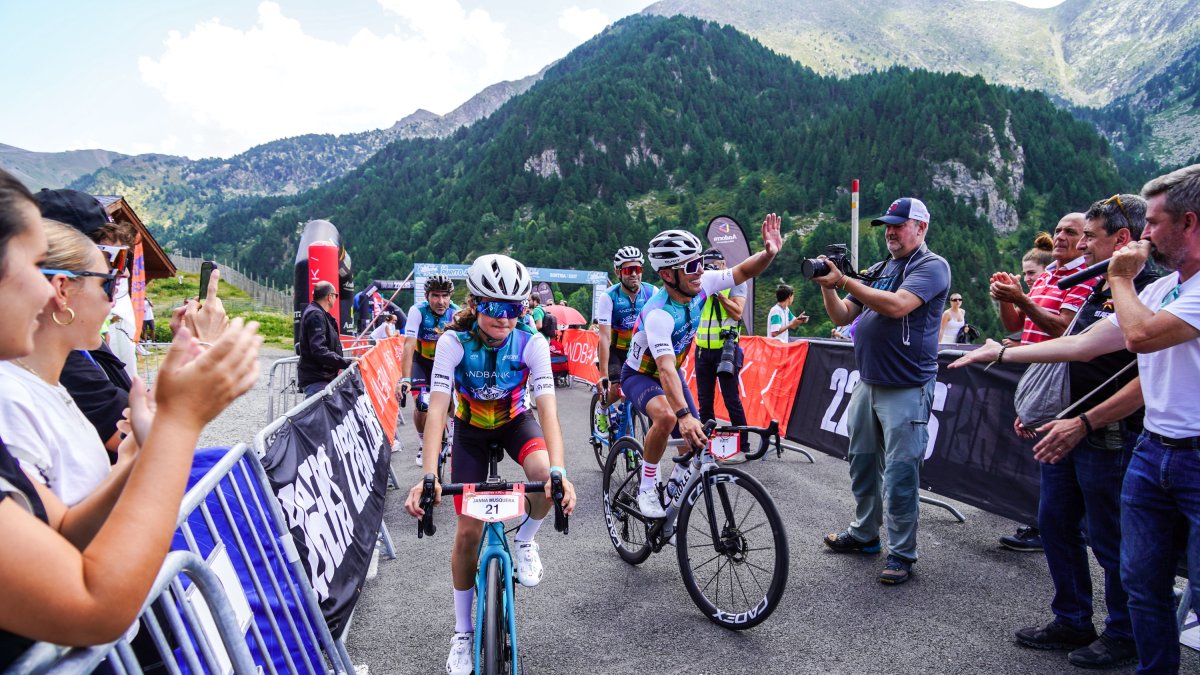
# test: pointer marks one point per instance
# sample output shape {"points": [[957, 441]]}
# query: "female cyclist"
{"points": [[488, 357]]}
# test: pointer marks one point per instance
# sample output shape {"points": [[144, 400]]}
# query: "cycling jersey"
{"points": [[426, 326], [491, 381], [615, 308], [668, 327]]}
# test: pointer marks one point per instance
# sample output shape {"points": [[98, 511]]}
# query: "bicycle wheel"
{"points": [[495, 650], [740, 585], [641, 424], [600, 441], [622, 475]]}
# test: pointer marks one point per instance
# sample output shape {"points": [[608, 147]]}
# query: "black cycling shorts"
{"points": [[616, 360], [469, 461]]}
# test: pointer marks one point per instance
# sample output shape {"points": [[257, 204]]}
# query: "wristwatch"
{"points": [[682, 412]]}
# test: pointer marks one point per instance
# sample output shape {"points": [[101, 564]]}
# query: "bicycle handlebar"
{"points": [[766, 435], [425, 523]]}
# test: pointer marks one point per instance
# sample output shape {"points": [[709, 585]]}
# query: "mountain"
{"points": [[659, 123], [177, 195], [53, 169], [1092, 53]]}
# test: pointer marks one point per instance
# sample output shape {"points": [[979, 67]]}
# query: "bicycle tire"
{"points": [[641, 424], [748, 603], [620, 486], [495, 624], [599, 447]]}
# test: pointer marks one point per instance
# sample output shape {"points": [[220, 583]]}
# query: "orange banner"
{"points": [[380, 371], [768, 381], [581, 346]]}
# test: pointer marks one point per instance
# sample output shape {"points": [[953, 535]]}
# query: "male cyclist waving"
{"points": [[665, 330], [488, 358], [426, 322], [617, 311]]}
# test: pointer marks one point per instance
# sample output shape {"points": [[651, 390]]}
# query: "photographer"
{"points": [[718, 356], [1160, 494], [900, 301]]}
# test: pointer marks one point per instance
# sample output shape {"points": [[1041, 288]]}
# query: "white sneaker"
{"points": [[462, 651], [649, 505], [528, 564], [418, 459]]}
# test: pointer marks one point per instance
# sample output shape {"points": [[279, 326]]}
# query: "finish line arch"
{"points": [[596, 279]]}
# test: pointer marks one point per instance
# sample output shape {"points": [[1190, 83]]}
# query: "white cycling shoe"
{"points": [[418, 458], [649, 504], [528, 564], [462, 652]]}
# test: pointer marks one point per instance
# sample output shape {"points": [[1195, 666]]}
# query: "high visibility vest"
{"points": [[713, 320]]}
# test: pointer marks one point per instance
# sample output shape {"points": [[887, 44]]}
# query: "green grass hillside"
{"points": [[167, 294]]}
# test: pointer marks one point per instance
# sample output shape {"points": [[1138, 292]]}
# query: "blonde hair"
{"points": [[69, 249], [1041, 254]]}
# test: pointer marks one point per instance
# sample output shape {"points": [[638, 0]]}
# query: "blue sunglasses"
{"points": [[109, 284], [501, 310]]}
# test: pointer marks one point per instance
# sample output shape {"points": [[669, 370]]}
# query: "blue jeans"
{"points": [[314, 388], [1160, 519], [889, 429], [1084, 488]]}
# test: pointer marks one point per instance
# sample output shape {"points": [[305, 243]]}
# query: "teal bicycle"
{"points": [[626, 422], [493, 502]]}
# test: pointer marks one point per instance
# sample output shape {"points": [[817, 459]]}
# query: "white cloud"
{"points": [[582, 23], [275, 80]]}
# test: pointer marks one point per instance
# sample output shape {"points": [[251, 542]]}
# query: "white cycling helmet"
{"points": [[673, 247], [627, 254], [499, 277]]}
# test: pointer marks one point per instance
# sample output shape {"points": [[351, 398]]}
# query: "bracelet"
{"points": [[845, 280], [1086, 423], [406, 379], [561, 471], [1000, 356], [683, 412]]}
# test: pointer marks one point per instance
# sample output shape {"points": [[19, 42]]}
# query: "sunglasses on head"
{"points": [[117, 256], [691, 266], [631, 269], [1116, 198], [501, 310], [109, 284]]}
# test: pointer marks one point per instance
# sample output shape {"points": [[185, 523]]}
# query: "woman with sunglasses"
{"points": [[487, 356], [78, 575], [44, 428], [953, 319]]}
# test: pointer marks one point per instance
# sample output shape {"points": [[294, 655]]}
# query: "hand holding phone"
{"points": [[206, 270]]}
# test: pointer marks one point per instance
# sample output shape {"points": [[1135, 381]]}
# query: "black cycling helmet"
{"points": [[439, 283]]}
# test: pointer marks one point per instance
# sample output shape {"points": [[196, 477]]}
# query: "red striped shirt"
{"points": [[1046, 294]]}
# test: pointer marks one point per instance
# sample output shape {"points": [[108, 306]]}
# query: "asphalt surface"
{"points": [[593, 613]]}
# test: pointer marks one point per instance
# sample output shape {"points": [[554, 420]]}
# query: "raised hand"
{"points": [[772, 239]]}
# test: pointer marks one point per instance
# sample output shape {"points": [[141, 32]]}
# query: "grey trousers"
{"points": [[889, 429]]}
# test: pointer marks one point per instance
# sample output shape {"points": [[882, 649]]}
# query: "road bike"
{"points": [[494, 501], [421, 403], [626, 422], [728, 536]]}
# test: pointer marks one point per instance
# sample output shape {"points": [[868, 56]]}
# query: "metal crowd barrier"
{"points": [[241, 560], [149, 358], [283, 390]]}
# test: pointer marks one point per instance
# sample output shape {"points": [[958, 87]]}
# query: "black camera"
{"points": [[835, 254], [728, 363]]}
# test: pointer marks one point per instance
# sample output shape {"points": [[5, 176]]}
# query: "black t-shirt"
{"points": [[100, 386], [12, 645], [1087, 376]]}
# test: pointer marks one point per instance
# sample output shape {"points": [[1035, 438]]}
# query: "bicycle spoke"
{"points": [[715, 557]]}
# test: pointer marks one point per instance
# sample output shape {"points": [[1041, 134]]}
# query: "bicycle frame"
{"points": [[494, 544], [624, 422]]}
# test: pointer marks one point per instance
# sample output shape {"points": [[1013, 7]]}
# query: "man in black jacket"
{"points": [[320, 347]]}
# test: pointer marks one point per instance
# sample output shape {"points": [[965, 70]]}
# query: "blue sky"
{"points": [[214, 78]]}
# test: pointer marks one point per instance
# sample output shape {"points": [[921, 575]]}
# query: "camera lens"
{"points": [[813, 267]]}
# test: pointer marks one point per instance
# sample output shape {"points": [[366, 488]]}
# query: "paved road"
{"points": [[594, 613]]}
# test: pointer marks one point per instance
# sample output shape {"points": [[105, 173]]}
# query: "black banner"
{"points": [[973, 454], [727, 236], [328, 467]]}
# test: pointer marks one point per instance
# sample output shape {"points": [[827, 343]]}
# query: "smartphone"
{"points": [[206, 270]]}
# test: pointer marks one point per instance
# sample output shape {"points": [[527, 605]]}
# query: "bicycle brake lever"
{"points": [[561, 523]]}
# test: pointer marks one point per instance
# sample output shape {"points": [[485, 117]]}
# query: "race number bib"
{"points": [[493, 507], [724, 446]]}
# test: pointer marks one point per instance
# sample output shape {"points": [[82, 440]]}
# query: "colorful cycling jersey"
{"points": [[615, 308], [668, 327], [491, 381], [426, 327]]}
